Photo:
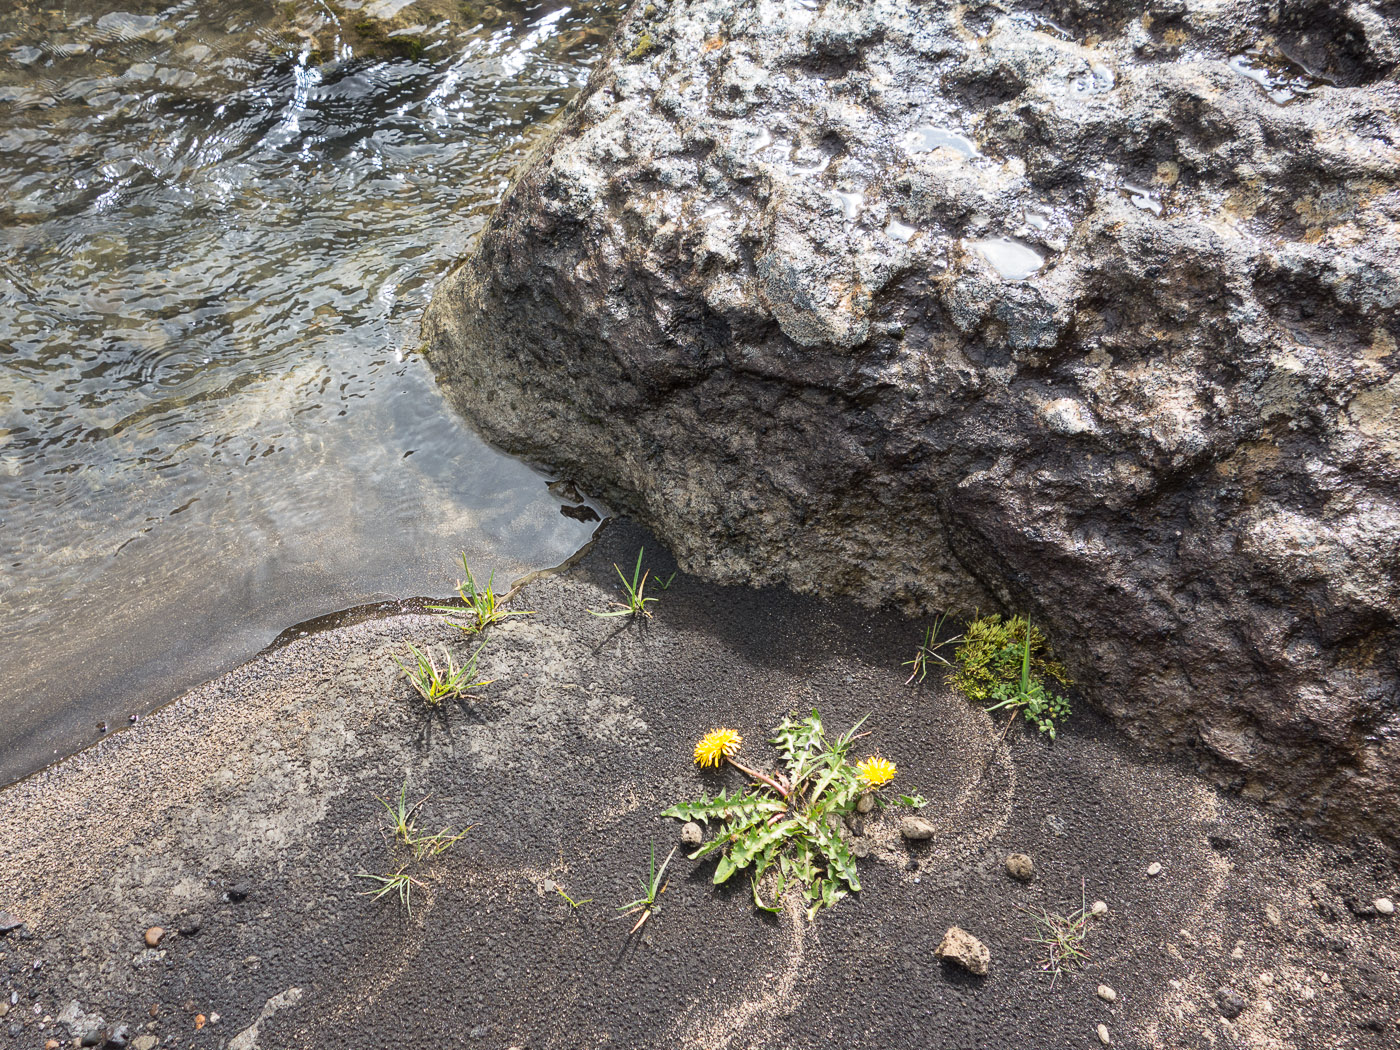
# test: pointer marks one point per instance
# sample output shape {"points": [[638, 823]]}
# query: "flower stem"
{"points": [[757, 776]]}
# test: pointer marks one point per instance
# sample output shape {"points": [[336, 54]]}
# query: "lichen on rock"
{"points": [[1086, 311]]}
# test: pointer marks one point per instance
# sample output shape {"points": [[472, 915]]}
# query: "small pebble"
{"points": [[916, 829], [1229, 1002], [1107, 994], [1103, 1035], [692, 834], [1098, 908], [967, 951], [866, 803], [1384, 905], [153, 936], [1154, 869], [1019, 866]]}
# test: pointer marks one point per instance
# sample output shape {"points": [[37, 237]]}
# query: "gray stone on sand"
{"points": [[692, 834], [77, 1020], [959, 946], [1229, 1002], [1106, 993], [1384, 905], [917, 829]]}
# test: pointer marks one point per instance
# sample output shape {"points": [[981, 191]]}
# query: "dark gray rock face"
{"points": [[1087, 310]]}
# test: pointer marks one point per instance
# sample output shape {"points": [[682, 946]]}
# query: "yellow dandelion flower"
{"points": [[717, 745], [876, 771]]}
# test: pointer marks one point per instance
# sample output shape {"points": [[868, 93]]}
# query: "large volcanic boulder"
{"points": [[1086, 309]]}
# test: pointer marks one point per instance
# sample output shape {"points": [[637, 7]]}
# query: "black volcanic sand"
{"points": [[265, 781]]}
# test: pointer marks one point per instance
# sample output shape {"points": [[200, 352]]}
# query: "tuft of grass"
{"points": [[636, 604], [482, 604], [930, 649], [1062, 937], [652, 888], [435, 684], [402, 816], [1006, 664], [403, 822], [398, 882]]}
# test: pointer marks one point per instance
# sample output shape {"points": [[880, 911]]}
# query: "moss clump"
{"points": [[989, 658], [645, 45]]}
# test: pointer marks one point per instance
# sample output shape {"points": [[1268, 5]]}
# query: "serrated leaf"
{"points": [[797, 741], [725, 806], [755, 841], [839, 861]]}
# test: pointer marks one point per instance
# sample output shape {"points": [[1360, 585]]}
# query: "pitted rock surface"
{"points": [[1087, 310]]}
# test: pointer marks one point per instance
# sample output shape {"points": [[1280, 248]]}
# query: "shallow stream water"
{"points": [[220, 223]]}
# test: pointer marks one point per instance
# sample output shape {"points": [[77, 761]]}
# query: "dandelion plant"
{"points": [[785, 823]]}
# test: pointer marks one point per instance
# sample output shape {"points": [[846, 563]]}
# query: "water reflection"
{"points": [[221, 224]]}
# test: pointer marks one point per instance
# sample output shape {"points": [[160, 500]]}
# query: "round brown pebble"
{"points": [[153, 936], [1020, 866], [1106, 993]]}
